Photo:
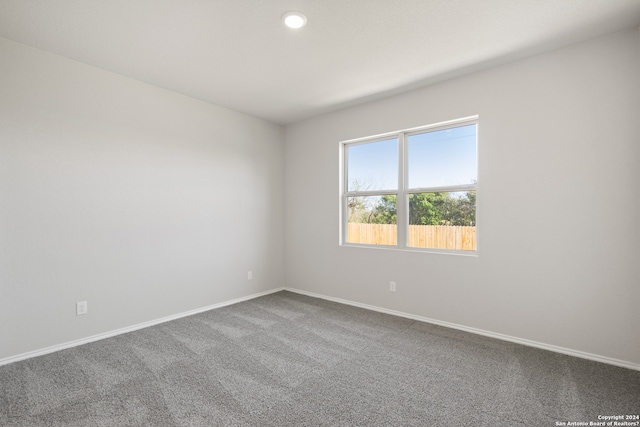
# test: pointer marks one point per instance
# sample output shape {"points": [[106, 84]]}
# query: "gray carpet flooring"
{"points": [[290, 360]]}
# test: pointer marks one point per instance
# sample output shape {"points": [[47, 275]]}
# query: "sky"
{"points": [[437, 158]]}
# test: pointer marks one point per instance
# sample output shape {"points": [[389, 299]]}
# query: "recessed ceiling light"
{"points": [[294, 19]]}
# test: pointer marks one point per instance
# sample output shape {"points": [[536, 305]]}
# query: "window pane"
{"points": [[372, 220], [373, 166], [443, 157], [443, 220]]}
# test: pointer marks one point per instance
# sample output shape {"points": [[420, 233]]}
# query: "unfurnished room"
{"points": [[320, 213]]}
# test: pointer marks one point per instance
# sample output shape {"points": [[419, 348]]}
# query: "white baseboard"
{"points": [[554, 348], [557, 349], [109, 334]]}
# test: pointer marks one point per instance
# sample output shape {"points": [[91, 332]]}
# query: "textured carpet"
{"points": [[291, 360]]}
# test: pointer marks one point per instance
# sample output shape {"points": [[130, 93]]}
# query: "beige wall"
{"points": [[140, 201], [559, 143]]}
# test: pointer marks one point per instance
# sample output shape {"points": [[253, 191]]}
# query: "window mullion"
{"points": [[401, 199], [445, 189], [370, 193]]}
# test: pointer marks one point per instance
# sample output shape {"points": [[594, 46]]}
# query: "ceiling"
{"points": [[238, 55]]}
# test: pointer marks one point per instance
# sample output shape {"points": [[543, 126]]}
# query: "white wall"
{"points": [[143, 202], [559, 150]]}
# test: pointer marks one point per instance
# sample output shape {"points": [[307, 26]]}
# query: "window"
{"points": [[413, 189]]}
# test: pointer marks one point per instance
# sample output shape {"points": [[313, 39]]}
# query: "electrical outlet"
{"points": [[249, 275], [81, 308], [392, 286]]}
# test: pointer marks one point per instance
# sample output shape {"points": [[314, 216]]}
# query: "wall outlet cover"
{"points": [[81, 308]]}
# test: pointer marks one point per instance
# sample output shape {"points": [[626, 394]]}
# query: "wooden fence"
{"points": [[420, 236]]}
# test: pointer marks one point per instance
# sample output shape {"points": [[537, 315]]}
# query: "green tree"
{"points": [[465, 213], [427, 208], [442, 208], [386, 211]]}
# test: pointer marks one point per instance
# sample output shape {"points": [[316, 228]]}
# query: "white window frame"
{"points": [[403, 191]]}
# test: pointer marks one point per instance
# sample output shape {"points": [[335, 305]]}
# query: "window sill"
{"points": [[473, 254]]}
